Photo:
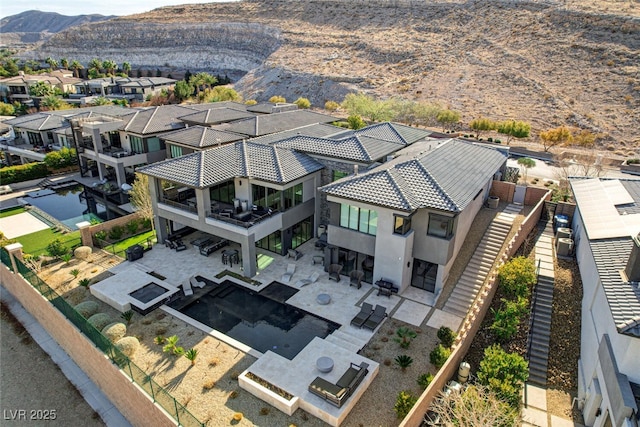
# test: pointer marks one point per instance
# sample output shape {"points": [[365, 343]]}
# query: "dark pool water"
{"points": [[257, 320], [66, 206]]}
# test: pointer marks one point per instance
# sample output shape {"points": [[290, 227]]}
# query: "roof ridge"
{"points": [[277, 162], [396, 176], [144, 129], [201, 170], [432, 178], [362, 147], [244, 160], [202, 136]]}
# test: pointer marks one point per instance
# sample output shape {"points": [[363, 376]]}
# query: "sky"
{"points": [[87, 7]]}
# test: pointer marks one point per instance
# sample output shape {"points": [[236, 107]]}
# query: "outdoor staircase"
{"points": [[46, 183], [481, 262], [346, 340], [541, 310]]}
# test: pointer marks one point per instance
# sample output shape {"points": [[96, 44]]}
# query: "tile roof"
{"points": [[37, 122], [157, 119], [216, 116], [200, 137], [611, 256], [277, 122], [356, 148], [144, 81], [271, 107], [241, 159], [388, 131], [221, 104], [321, 130], [446, 178]]}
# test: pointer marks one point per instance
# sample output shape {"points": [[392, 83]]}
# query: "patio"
{"points": [[342, 345]]}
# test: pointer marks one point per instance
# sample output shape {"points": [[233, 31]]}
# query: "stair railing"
{"points": [[534, 298]]}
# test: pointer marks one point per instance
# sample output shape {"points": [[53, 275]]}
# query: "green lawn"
{"points": [[135, 240], [36, 243], [12, 211]]}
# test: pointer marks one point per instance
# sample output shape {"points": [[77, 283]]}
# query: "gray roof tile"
{"points": [[277, 122], [206, 168], [215, 116], [445, 178], [154, 120], [200, 137]]}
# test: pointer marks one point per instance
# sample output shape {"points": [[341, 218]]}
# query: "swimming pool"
{"points": [[259, 319], [66, 205]]}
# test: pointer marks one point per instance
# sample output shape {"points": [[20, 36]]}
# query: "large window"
{"points": [[440, 226], [355, 218], [292, 196], [402, 224], [137, 146], [224, 192], [266, 197], [272, 242], [155, 144], [302, 232], [176, 151]]}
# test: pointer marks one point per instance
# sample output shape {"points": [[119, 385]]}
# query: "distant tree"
{"points": [[482, 124], [139, 73], [514, 129], [250, 102], [101, 100], [474, 406], [7, 109], [187, 76], [52, 102], [76, 67], [302, 103], [356, 122], [65, 63], [43, 89], [448, 119], [584, 139], [183, 90], [109, 67], [555, 137], [140, 197], [525, 164], [126, 68], [202, 81], [158, 72], [426, 114], [96, 65], [278, 99], [220, 93], [52, 63], [366, 106]]}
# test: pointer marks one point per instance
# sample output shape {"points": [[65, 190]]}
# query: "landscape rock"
{"points": [[82, 252]]}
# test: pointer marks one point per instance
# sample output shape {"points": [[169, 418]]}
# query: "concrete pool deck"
{"points": [[293, 376]]}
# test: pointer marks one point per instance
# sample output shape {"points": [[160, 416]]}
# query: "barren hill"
{"points": [[573, 62]]}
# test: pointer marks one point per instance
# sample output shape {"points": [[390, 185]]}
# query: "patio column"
{"points": [[121, 176], [85, 233], [15, 251], [249, 256]]}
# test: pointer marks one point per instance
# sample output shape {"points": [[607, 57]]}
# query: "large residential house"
{"points": [[17, 89], [133, 89], [606, 231], [406, 220]]}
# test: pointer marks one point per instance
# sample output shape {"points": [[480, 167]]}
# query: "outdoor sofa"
{"points": [[336, 394]]}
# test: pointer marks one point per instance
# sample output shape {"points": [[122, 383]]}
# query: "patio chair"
{"points": [[180, 246], [365, 311], [196, 283], [334, 272], [355, 278], [292, 253], [286, 277], [322, 241], [186, 288], [311, 279], [379, 313]]}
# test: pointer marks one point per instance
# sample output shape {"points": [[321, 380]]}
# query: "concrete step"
{"points": [[342, 342]]}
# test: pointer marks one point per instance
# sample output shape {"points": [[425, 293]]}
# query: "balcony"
{"points": [[187, 205], [246, 219]]}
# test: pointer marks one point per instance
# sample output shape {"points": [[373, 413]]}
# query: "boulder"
{"points": [[82, 252]]}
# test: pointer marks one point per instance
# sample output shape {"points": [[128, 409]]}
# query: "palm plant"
{"points": [[84, 282], [191, 354], [75, 272], [404, 336], [76, 67], [127, 316], [403, 361], [170, 345]]}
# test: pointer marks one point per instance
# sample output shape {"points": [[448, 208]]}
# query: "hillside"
{"points": [[34, 21], [573, 62]]}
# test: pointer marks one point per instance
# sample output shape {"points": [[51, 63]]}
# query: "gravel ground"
{"points": [[31, 381]]}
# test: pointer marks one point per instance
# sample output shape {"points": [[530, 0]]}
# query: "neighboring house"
{"points": [[273, 123], [606, 230], [129, 88], [248, 193], [17, 88], [406, 220]]}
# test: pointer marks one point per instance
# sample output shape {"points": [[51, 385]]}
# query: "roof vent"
{"points": [[355, 169], [633, 265]]}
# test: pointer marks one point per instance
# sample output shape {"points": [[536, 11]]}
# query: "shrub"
{"points": [[331, 106], [446, 336], [208, 385], [516, 276], [403, 361], [66, 258], [132, 226], [100, 235], [404, 336], [356, 122], [278, 99], [74, 273], [302, 103], [250, 102], [439, 355], [127, 316], [237, 416], [507, 319], [128, 345], [20, 173], [84, 282], [87, 308], [634, 161], [489, 139], [114, 331], [99, 320], [503, 373], [146, 223], [159, 340], [116, 233], [404, 403], [57, 249], [424, 380]]}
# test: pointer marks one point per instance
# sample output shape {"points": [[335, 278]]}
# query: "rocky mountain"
{"points": [[33, 26], [569, 62]]}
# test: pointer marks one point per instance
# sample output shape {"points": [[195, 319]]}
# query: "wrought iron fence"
{"points": [[159, 395]]}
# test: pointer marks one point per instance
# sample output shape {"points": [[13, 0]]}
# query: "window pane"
{"points": [[353, 217], [373, 222], [364, 220], [344, 215]]}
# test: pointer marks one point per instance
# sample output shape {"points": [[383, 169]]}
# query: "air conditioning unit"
{"points": [[564, 247], [564, 233]]}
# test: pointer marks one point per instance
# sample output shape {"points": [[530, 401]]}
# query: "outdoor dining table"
{"points": [[230, 256]]}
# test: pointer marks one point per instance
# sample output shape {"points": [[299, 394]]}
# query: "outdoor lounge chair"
{"points": [[286, 277], [334, 272], [292, 253], [196, 283], [376, 318], [355, 278], [186, 288], [365, 311], [309, 280], [180, 246]]}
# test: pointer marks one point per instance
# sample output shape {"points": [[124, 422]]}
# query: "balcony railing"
{"points": [[189, 207], [245, 219]]}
